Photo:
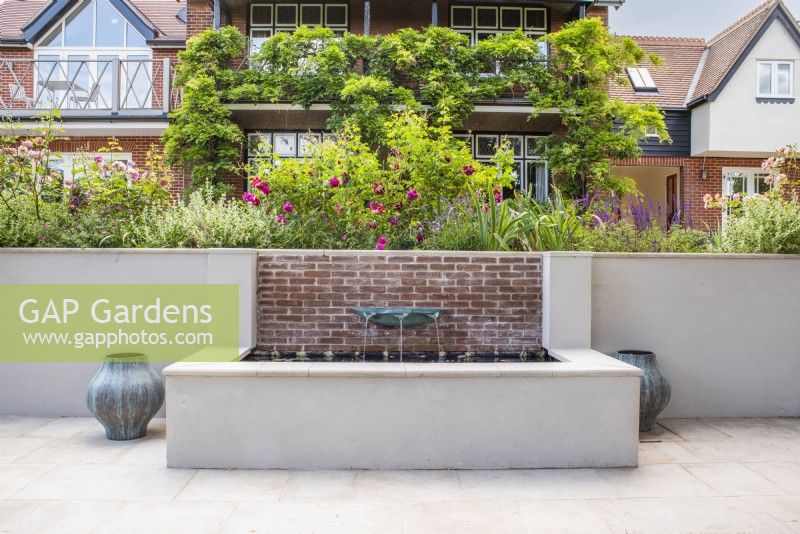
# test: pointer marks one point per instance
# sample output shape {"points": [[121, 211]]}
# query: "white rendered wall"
{"points": [[736, 124], [724, 328], [59, 389]]}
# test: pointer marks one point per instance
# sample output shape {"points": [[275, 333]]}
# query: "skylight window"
{"points": [[642, 80]]}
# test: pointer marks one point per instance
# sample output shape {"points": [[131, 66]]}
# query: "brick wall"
{"points": [[305, 299], [16, 73], [692, 185], [199, 16]]}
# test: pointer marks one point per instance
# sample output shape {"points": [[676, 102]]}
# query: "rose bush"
{"points": [[383, 197]]}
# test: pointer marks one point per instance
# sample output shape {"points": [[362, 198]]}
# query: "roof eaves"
{"points": [[779, 12], [696, 79]]}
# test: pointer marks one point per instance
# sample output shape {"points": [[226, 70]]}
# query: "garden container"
{"points": [[125, 395], [656, 389]]}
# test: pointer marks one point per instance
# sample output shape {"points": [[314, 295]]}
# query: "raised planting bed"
{"points": [[578, 411]]}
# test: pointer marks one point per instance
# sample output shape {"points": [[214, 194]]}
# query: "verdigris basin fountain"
{"points": [[397, 317], [400, 318]]}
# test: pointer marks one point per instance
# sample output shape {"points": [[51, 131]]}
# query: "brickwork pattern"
{"points": [[692, 184], [305, 299]]}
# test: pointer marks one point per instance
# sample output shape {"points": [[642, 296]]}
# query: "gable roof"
{"points": [[695, 71], [23, 21], [673, 78], [726, 49]]}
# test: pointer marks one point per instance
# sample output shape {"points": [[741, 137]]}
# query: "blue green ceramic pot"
{"points": [[125, 395], [656, 389]]}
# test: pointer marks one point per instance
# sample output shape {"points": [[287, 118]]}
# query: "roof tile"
{"points": [[162, 14]]}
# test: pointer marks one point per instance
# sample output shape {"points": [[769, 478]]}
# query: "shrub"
{"points": [[205, 222], [764, 225], [552, 225], [383, 198]]}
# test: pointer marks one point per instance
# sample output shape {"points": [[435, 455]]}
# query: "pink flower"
{"points": [[35, 154], [396, 166], [98, 160], [11, 151], [469, 170], [378, 189], [498, 196], [27, 144], [338, 208], [393, 221], [376, 207], [250, 198], [264, 188], [288, 208], [334, 182], [420, 238], [412, 194], [381, 244], [281, 218], [344, 237]]}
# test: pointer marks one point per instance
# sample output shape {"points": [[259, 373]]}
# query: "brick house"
{"points": [[728, 102], [107, 65], [288, 128]]}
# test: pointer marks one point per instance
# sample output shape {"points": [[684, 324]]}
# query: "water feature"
{"points": [[400, 318]]}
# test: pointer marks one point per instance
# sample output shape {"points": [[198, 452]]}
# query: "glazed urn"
{"points": [[655, 388], [125, 395]]}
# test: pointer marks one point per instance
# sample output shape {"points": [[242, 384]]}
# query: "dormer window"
{"points": [[642, 81], [775, 79]]}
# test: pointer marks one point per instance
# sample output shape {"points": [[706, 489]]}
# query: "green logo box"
{"points": [[85, 323]]}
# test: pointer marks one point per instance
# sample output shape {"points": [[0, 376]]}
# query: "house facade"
{"points": [[106, 65], [729, 103]]}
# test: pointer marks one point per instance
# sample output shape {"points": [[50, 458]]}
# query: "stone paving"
{"points": [[722, 475]]}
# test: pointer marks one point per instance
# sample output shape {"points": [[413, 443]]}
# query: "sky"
{"points": [[683, 18]]}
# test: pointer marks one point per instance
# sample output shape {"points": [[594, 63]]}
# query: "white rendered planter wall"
{"points": [[59, 389], [581, 413]]}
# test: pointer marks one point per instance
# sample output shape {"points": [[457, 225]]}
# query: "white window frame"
{"points": [[774, 64], [473, 29], [274, 28], [651, 133], [62, 28], [750, 175], [641, 79], [527, 158], [92, 53], [67, 161]]}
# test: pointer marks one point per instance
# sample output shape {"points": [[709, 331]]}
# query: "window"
{"points": [[96, 24], [641, 80], [651, 133], [74, 62], [745, 182], [481, 22], [69, 164], [288, 144], [267, 19], [775, 79], [530, 169]]}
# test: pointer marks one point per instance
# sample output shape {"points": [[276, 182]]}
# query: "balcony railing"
{"points": [[87, 88]]}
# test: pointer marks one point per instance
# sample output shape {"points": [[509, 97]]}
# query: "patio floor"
{"points": [[723, 475]]}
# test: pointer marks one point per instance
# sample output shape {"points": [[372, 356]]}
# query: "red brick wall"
{"points": [[305, 299], [159, 54], [598, 12], [22, 74], [199, 16], [692, 185]]}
